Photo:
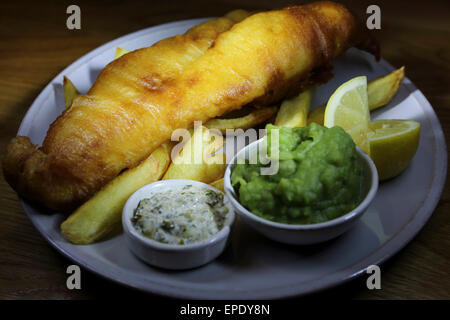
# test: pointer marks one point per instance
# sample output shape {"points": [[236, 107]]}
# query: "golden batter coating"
{"points": [[139, 99]]}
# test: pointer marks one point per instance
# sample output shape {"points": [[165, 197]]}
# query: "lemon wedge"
{"points": [[348, 108], [392, 145]]}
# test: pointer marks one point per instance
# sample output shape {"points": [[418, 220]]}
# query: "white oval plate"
{"points": [[254, 267]]}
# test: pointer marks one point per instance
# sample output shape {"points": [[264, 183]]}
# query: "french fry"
{"points": [[70, 92], [120, 52], [237, 15], [317, 115], [294, 112], [380, 91], [199, 159], [102, 214], [218, 184], [250, 120]]}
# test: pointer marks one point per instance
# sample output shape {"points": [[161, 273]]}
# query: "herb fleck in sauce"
{"points": [[181, 215]]}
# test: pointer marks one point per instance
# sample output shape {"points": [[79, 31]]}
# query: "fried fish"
{"points": [[138, 100]]}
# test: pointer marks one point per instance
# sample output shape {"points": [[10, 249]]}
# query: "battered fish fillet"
{"points": [[138, 100], [57, 188]]}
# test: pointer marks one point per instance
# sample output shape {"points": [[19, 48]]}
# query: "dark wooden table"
{"points": [[35, 45]]}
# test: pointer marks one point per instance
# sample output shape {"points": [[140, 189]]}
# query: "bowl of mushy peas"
{"points": [[303, 185], [177, 224]]}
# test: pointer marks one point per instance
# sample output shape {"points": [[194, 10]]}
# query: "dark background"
{"points": [[35, 46]]}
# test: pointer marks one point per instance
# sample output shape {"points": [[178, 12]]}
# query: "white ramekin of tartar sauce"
{"points": [[177, 224]]}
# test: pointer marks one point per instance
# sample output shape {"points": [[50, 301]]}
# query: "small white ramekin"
{"points": [[303, 234], [170, 256]]}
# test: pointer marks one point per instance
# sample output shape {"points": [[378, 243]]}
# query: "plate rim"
{"points": [[380, 255]]}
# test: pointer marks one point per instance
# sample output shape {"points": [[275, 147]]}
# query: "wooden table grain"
{"points": [[35, 45]]}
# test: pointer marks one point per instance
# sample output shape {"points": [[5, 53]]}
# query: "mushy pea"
{"points": [[319, 177]]}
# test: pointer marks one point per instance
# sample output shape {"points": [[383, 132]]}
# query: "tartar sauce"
{"points": [[180, 215]]}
